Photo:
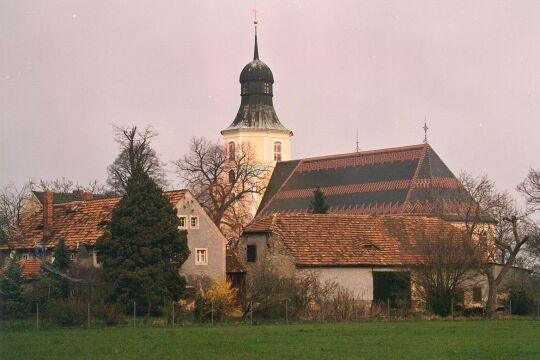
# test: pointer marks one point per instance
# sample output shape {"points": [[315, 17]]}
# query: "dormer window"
{"points": [[231, 150], [266, 88], [277, 151]]}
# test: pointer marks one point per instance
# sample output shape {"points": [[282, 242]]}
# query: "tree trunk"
{"points": [[492, 302]]}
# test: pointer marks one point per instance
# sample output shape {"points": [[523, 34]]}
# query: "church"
{"points": [[382, 203]]}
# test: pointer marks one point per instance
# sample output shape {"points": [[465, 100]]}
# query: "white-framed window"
{"points": [[72, 256], [26, 256], [183, 222], [277, 151], [201, 256], [231, 150], [194, 222], [266, 88]]}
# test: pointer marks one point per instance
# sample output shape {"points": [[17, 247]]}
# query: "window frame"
{"points": [[185, 218], [25, 256], [477, 294], [203, 251], [253, 258], [231, 151], [278, 155], [191, 218]]}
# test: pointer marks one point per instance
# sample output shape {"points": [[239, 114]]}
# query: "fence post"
{"points": [[134, 314], [510, 307], [89, 315], [173, 313], [388, 305], [287, 311], [37, 316], [452, 308], [212, 313], [355, 310], [251, 312]]}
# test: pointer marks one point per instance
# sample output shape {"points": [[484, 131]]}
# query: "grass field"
{"points": [[515, 339]]}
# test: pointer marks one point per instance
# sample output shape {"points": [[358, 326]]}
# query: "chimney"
{"points": [[78, 192], [47, 214], [87, 196]]}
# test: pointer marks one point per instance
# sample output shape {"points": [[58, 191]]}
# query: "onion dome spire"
{"points": [[256, 110], [256, 52]]}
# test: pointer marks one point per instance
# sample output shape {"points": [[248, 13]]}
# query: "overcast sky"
{"points": [[71, 69]]}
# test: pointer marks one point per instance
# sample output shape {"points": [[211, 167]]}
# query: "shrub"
{"points": [[67, 312], [110, 314], [220, 298]]}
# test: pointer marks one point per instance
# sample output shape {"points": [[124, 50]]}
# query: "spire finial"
{"points": [[255, 22], [425, 127], [357, 143]]}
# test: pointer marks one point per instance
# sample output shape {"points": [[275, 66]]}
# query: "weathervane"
{"points": [[425, 127]]}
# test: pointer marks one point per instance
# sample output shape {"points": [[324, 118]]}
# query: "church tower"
{"points": [[256, 122]]}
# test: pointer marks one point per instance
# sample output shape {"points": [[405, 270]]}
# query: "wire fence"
{"points": [[174, 314]]}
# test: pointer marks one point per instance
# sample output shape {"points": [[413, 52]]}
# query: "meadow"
{"points": [[480, 339]]}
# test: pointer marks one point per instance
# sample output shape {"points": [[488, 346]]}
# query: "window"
{"points": [[201, 256], [194, 222], [484, 238], [244, 89], [232, 177], [477, 294], [277, 151], [231, 150], [252, 253], [26, 256], [183, 222], [266, 88], [73, 256]]}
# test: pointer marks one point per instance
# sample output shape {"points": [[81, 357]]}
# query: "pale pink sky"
{"points": [[70, 69]]}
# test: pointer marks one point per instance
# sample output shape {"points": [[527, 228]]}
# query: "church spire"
{"points": [[256, 52]]}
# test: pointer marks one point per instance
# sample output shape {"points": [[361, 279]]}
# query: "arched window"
{"points": [[266, 88], [231, 150], [277, 151], [484, 238], [232, 177], [244, 89]]}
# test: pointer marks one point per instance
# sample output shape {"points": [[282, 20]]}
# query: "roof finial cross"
{"points": [[255, 22], [425, 127]]}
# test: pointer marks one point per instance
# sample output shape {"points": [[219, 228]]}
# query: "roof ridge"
{"points": [[367, 152], [415, 177]]}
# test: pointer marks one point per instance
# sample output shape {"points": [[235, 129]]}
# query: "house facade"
{"points": [[374, 257], [82, 221]]}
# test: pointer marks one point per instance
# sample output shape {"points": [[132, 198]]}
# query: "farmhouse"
{"points": [[80, 219], [374, 257]]}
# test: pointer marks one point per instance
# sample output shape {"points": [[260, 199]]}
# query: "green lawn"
{"points": [[497, 339]]}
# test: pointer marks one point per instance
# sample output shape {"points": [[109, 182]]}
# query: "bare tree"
{"points": [[135, 152], [530, 188], [64, 185], [224, 184], [450, 262], [512, 231], [11, 201]]}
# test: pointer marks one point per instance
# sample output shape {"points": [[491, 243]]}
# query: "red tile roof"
{"points": [[80, 222], [409, 180], [355, 240], [30, 266]]}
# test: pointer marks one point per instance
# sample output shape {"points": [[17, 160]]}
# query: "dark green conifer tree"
{"points": [[142, 250], [11, 292], [318, 203], [62, 256]]}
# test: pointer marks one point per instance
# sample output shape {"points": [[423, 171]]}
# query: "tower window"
{"points": [[266, 88], [232, 177], [277, 151], [231, 150], [244, 89]]}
